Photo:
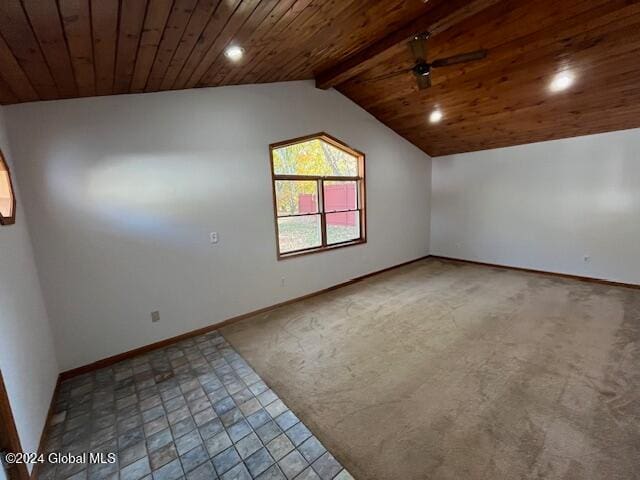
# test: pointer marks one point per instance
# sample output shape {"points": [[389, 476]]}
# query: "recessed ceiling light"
{"points": [[561, 81], [234, 53], [435, 116]]}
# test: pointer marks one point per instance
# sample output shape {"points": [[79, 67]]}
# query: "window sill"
{"points": [[284, 256]]}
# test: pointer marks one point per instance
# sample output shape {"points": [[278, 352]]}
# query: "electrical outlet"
{"points": [[587, 258], [155, 316]]}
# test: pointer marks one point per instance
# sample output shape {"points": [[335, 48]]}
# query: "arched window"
{"points": [[7, 198], [318, 193]]}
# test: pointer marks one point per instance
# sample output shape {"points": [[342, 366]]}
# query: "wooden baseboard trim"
{"points": [[531, 270], [105, 362], [18, 470]]}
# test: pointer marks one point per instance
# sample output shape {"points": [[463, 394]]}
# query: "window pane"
{"points": [[298, 233], [340, 196], [6, 194], [294, 197], [314, 157], [342, 227]]}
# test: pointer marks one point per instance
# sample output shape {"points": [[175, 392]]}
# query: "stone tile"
{"points": [[292, 464], [235, 386], [170, 393], [248, 445], [250, 406], [129, 423], [152, 401], [204, 416], [212, 386], [189, 386], [136, 470], [218, 443], [218, 395], [268, 431], [131, 454], [259, 418], [178, 415], [101, 436], [239, 472], [231, 417], [79, 434], [159, 439], [130, 438], [298, 433], [182, 427], [224, 405], [211, 428], [276, 408], [127, 412], [226, 460], [258, 387], [69, 469], [193, 458], [76, 422], [126, 401], [326, 466], [287, 420], [199, 404], [155, 410], [188, 441], [152, 413], [155, 426], [148, 393], [162, 456], [267, 397], [239, 430], [279, 446], [195, 393], [242, 396], [272, 473], [171, 471], [203, 472], [175, 403], [125, 391], [308, 474], [82, 475], [311, 449], [98, 471], [259, 462]]}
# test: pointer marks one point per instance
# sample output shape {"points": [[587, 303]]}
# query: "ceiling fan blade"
{"points": [[462, 58], [384, 77], [418, 47], [424, 81]]}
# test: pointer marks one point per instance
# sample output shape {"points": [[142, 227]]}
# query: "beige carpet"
{"points": [[445, 370]]}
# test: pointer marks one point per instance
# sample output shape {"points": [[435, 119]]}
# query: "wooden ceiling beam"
{"points": [[435, 20]]}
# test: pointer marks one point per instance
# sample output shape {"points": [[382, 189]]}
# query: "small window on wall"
{"points": [[319, 195], [7, 199]]}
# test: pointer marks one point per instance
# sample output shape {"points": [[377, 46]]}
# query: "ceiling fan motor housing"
{"points": [[422, 69]]}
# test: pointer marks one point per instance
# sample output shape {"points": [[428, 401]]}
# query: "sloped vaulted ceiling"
{"points": [[72, 48]]}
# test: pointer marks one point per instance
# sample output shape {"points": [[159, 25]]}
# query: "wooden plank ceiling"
{"points": [[51, 49]]}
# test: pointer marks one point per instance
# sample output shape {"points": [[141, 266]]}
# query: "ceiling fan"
{"points": [[422, 68]]}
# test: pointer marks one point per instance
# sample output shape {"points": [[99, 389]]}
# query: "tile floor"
{"points": [[194, 410]]}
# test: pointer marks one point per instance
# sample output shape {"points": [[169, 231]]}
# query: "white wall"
{"points": [[123, 191], [544, 206], [27, 357]]}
